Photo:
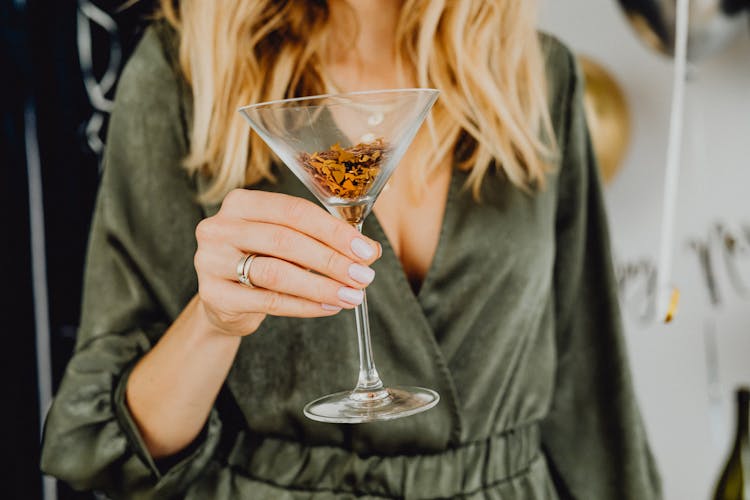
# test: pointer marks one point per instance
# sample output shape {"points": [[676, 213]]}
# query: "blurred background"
{"points": [[686, 371], [61, 62]]}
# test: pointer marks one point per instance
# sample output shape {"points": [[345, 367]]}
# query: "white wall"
{"points": [[690, 420]]}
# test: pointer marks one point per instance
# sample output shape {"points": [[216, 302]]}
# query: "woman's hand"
{"points": [[171, 390], [291, 237]]}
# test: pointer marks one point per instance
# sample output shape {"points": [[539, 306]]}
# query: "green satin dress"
{"points": [[516, 325]]}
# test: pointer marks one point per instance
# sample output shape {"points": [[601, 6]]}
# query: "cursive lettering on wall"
{"points": [[721, 256], [636, 283]]}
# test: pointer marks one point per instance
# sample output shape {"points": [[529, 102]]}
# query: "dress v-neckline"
{"points": [[412, 303], [421, 326], [389, 253]]}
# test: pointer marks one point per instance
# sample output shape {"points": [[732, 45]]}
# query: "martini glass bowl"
{"points": [[344, 148]]}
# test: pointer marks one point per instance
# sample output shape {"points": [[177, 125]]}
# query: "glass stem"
{"points": [[369, 385], [369, 380]]}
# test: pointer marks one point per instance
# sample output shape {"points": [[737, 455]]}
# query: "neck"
{"points": [[362, 36]]}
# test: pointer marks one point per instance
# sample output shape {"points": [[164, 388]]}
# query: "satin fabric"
{"points": [[516, 325]]}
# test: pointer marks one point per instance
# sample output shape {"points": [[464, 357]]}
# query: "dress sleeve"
{"points": [[594, 436], [138, 277]]}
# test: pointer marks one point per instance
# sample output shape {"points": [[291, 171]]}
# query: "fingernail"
{"points": [[362, 249], [329, 307], [351, 295], [361, 273]]}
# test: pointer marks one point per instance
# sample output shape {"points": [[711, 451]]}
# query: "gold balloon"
{"points": [[607, 115]]}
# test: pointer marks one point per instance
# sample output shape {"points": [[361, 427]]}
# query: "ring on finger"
{"points": [[243, 269]]}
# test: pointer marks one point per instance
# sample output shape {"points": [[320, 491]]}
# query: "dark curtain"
{"points": [[17, 362], [42, 80]]}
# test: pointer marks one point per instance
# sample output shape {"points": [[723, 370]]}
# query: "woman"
{"points": [[494, 283]]}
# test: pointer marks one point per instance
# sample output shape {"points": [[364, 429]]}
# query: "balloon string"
{"points": [[667, 296]]}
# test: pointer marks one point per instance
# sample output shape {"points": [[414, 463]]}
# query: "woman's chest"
{"points": [[411, 212]]}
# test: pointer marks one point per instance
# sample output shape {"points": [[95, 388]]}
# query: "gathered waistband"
{"points": [[457, 471]]}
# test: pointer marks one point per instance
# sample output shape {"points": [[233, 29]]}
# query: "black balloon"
{"points": [[713, 24]]}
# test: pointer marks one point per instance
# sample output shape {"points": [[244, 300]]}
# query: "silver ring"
{"points": [[243, 269]]}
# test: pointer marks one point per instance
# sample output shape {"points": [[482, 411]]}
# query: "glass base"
{"points": [[351, 407]]}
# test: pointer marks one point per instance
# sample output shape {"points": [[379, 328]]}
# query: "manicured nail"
{"points": [[329, 307], [362, 249], [351, 295], [361, 273]]}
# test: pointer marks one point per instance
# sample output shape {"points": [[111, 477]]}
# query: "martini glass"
{"points": [[344, 148]]}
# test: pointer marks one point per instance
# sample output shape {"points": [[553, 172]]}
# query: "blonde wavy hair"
{"points": [[484, 55]]}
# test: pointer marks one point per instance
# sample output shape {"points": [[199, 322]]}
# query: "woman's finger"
{"points": [[237, 299], [303, 216], [298, 248], [284, 277], [281, 276]]}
